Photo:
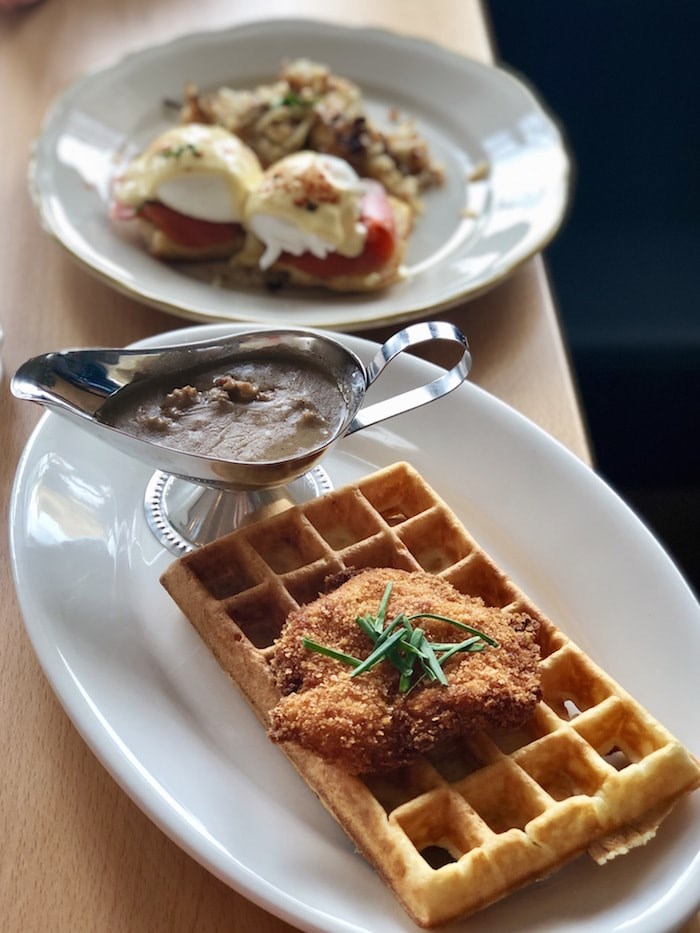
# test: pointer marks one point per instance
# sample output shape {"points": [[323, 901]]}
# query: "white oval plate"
{"points": [[469, 113], [171, 728]]}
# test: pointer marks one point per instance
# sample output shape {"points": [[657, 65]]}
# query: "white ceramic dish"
{"points": [[470, 113], [167, 723]]}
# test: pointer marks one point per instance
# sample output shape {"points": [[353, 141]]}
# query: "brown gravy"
{"points": [[260, 409]]}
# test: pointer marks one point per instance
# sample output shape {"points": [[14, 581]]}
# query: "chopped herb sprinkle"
{"points": [[174, 152], [292, 99]]}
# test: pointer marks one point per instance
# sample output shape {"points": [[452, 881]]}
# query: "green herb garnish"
{"points": [[174, 152], [292, 99], [406, 647]]}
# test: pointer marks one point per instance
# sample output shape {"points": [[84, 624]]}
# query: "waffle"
{"points": [[467, 824]]}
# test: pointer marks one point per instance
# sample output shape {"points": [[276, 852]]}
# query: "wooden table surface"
{"points": [[76, 853]]}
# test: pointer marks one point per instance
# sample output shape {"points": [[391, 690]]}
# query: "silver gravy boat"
{"points": [[193, 498]]}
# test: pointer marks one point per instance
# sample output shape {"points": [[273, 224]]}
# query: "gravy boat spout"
{"points": [[88, 386]]}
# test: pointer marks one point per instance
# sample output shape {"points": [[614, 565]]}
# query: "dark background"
{"points": [[623, 81]]}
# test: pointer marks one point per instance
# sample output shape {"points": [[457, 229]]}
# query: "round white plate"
{"points": [[159, 713], [470, 236]]}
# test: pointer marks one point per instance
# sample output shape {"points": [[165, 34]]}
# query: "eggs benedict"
{"points": [[188, 191], [314, 220]]}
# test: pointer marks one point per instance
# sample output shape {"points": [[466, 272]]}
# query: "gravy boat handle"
{"points": [[412, 336]]}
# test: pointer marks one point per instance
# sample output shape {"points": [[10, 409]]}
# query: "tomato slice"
{"points": [[187, 231], [378, 217]]}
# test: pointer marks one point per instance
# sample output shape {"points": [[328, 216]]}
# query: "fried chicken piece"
{"points": [[365, 724]]}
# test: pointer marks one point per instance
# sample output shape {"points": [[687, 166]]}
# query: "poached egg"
{"points": [[199, 170], [307, 202]]}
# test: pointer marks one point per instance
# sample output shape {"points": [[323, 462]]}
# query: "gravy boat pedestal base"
{"points": [[184, 515]]}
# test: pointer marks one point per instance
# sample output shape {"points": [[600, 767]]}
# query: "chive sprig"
{"points": [[406, 647]]}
